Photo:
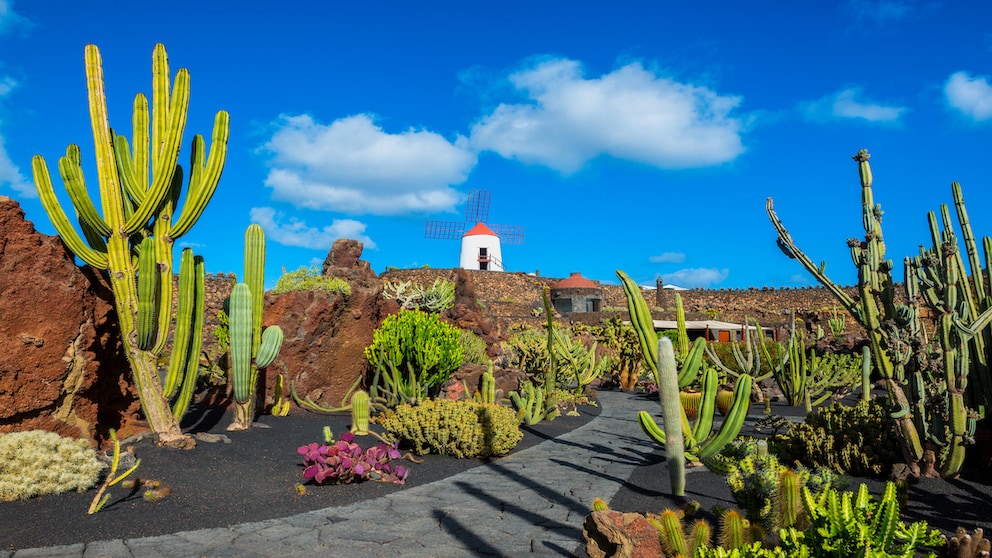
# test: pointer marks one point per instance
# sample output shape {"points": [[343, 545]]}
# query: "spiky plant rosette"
{"points": [[343, 461]]}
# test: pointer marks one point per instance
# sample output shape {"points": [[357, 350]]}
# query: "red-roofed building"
{"points": [[575, 293]]}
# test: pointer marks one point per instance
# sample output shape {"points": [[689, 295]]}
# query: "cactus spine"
{"points": [[360, 413], [963, 310], [251, 347], [136, 229]]}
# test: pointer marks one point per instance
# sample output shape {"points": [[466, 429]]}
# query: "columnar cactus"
{"points": [[251, 347], [671, 411], [360, 413], [133, 239], [898, 345]]}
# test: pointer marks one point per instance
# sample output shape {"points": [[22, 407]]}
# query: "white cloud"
{"points": [[668, 257], [696, 277], [630, 114], [10, 174], [353, 166], [294, 232], [849, 104], [971, 96]]}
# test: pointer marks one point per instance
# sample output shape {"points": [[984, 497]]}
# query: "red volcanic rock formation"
{"points": [[62, 369]]}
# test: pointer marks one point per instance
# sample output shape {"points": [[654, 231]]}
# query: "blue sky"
{"points": [[642, 136]]}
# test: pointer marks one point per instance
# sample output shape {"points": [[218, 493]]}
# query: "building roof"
{"points": [[480, 229], [576, 281]]}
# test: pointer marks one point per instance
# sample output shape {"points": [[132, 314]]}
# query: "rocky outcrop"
{"points": [[62, 369], [612, 534], [325, 335]]}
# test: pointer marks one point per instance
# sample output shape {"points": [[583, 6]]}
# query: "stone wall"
{"points": [[514, 298]]}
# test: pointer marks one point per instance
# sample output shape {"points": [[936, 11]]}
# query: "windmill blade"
{"points": [[477, 207], [444, 230], [508, 234]]}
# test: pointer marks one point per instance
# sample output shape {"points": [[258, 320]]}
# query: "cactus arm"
{"points": [[268, 348], [191, 357], [692, 363], [75, 185], [169, 122], [785, 240], [734, 420], [649, 426], [640, 318], [46, 193], [707, 407], [184, 319], [148, 295], [204, 178]]}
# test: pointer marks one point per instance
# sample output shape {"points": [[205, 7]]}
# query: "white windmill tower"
{"points": [[481, 241]]}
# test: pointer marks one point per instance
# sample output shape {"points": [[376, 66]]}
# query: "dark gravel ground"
{"points": [[943, 504], [253, 478]]}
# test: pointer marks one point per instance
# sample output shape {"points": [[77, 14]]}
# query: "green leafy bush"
{"points": [[458, 428], [857, 441], [418, 343], [36, 463], [310, 279]]}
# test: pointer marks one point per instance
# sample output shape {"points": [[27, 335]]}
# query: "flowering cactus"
{"points": [[343, 461]]}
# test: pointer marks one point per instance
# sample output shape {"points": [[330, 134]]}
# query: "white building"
{"points": [[480, 249]]}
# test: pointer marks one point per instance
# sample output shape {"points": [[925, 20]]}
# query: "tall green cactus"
{"points": [[133, 239], [251, 347], [922, 397], [688, 357], [671, 412]]}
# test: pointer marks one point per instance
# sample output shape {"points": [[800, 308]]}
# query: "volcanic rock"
{"points": [[63, 368]]}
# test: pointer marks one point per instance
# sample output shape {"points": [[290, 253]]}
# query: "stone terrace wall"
{"points": [[514, 298]]}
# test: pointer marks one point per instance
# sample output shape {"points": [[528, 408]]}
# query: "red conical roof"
{"points": [[480, 229], [576, 281]]}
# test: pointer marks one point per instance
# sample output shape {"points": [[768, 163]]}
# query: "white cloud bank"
{"points": [[629, 114], [353, 166], [971, 96], [698, 277], [294, 232], [850, 104]]}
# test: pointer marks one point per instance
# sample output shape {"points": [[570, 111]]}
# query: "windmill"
{"points": [[480, 240]]}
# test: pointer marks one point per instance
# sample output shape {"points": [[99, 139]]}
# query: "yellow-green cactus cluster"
{"points": [[457, 428], [36, 463]]}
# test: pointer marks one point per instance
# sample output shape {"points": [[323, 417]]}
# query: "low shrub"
{"points": [[859, 441], [457, 428], [310, 279], [37, 463]]}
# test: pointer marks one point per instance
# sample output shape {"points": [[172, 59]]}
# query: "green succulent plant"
{"points": [[461, 428]]}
